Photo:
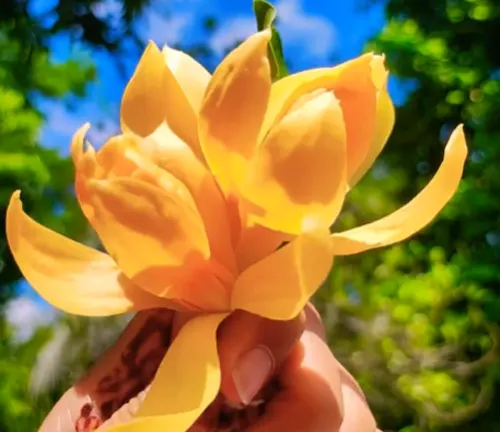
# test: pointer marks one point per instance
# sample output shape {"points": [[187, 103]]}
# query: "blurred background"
{"points": [[417, 323]]}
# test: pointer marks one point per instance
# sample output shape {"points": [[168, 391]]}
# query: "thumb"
{"points": [[251, 348]]}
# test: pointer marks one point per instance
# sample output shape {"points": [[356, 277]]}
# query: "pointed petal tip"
{"points": [[457, 140], [16, 196], [15, 206], [261, 39], [416, 214], [77, 143], [15, 202], [12, 220], [459, 129], [380, 74], [267, 33], [151, 45], [166, 48], [150, 54]]}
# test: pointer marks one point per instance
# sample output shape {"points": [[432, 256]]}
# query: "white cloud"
{"points": [[59, 121], [165, 29], [62, 123], [233, 30], [25, 315], [302, 30], [310, 37]]}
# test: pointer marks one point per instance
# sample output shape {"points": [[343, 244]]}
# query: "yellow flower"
{"points": [[210, 176]]}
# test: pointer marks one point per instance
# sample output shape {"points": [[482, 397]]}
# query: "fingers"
{"points": [[357, 415], [118, 376], [319, 392], [250, 350], [311, 390]]}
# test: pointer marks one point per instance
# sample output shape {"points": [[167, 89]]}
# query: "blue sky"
{"points": [[315, 33]]}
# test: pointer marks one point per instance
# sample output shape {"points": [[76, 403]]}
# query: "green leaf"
{"points": [[265, 14]]}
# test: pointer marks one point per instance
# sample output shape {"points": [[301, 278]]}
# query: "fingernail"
{"points": [[251, 372]]}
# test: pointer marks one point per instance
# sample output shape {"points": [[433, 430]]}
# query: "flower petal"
{"points": [[121, 156], [233, 109], [154, 236], [353, 84], [70, 276], [162, 159], [384, 122], [154, 96], [195, 284], [187, 381], [417, 213], [256, 242], [170, 154], [192, 77], [298, 176], [279, 286]]}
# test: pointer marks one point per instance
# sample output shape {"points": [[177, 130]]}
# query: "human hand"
{"points": [[275, 376]]}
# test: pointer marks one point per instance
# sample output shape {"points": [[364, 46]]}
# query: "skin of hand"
{"points": [[314, 392]]}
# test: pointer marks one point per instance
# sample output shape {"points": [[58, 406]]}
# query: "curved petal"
{"points": [[187, 381], [415, 215], [233, 109], [195, 284], [70, 276], [169, 153], [85, 167], [154, 236], [121, 156], [192, 77], [77, 144], [255, 242], [153, 96], [354, 84], [162, 160], [298, 175], [384, 123], [279, 286]]}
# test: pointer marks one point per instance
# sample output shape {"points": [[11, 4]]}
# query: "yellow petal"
{"points": [[187, 381], [384, 123], [353, 84], [121, 156], [417, 213], [70, 276], [256, 242], [169, 153], [153, 235], [298, 176], [77, 144], [154, 96], [85, 167], [279, 286], [233, 109], [192, 77]]}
